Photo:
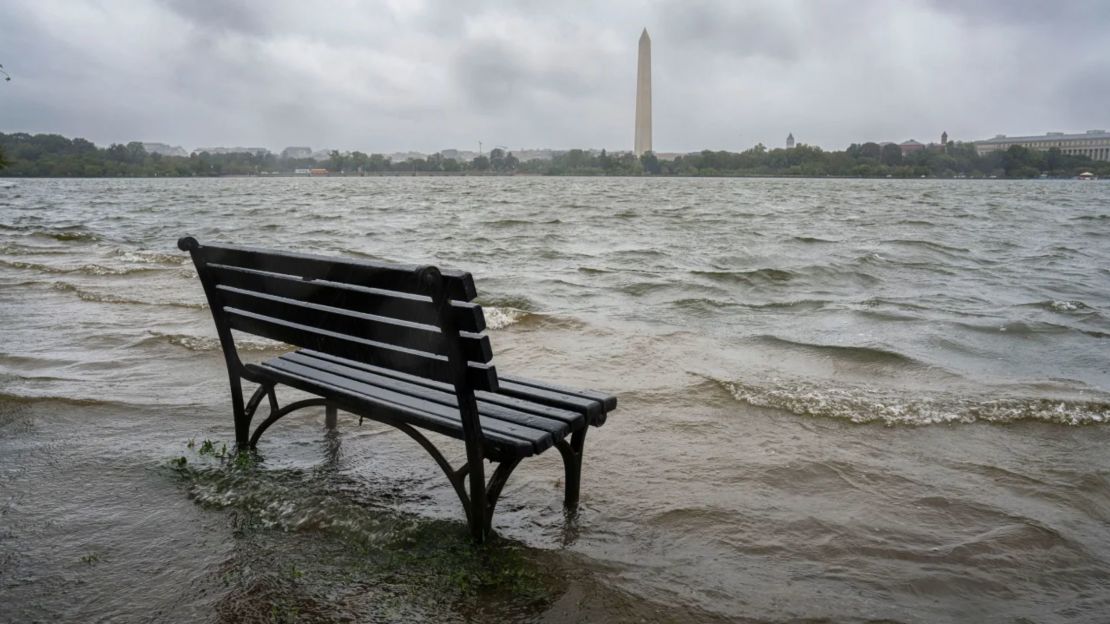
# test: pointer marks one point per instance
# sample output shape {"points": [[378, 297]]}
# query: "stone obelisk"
{"points": [[643, 97]]}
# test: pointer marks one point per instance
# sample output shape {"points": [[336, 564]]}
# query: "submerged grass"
{"points": [[308, 548]]}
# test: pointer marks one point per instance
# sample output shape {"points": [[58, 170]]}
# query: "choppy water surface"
{"points": [[840, 401]]}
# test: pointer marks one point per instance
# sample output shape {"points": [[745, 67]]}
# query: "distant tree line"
{"points": [[51, 155]]}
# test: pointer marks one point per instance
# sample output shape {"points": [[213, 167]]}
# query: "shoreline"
{"points": [[470, 174]]}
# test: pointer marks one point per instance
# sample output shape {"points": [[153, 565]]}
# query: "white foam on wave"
{"points": [[211, 343], [873, 405], [149, 257], [500, 318], [1067, 306]]}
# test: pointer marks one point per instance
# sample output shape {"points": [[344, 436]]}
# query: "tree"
{"points": [[870, 150], [650, 162], [891, 155], [481, 163], [3, 161], [497, 159], [336, 161], [360, 161]]}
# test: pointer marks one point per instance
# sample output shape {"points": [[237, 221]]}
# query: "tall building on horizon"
{"points": [[790, 141], [643, 97]]}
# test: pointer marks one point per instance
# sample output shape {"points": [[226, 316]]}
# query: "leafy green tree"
{"points": [[360, 162], [891, 155], [871, 150], [336, 162]]}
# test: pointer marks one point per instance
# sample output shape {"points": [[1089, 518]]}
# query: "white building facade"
{"points": [[1092, 143]]}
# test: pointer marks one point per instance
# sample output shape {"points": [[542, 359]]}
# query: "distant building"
{"points": [[944, 138], [790, 141], [296, 152], [257, 151], [1092, 143], [403, 156], [165, 150], [318, 172], [911, 146]]}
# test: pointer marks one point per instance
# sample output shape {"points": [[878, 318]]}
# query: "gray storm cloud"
{"points": [[385, 76]]}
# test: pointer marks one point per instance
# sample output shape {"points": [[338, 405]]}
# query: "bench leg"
{"points": [[239, 411], [572, 465], [330, 416], [493, 488]]}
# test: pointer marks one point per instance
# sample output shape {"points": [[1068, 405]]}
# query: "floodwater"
{"points": [[842, 401]]}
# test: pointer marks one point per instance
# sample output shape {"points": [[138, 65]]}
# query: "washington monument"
{"points": [[643, 97]]}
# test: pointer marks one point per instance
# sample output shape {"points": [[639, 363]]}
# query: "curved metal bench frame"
{"points": [[571, 453]]}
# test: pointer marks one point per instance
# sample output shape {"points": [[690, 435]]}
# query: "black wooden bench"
{"points": [[399, 344]]}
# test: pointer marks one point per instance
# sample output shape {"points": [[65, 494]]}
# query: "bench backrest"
{"points": [[407, 318]]}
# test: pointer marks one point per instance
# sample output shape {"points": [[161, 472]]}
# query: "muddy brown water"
{"points": [[843, 401]]}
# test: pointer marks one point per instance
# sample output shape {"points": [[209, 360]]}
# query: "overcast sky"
{"points": [[405, 74]]}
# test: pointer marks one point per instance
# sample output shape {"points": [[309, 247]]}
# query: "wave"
{"points": [[500, 318], [1028, 329], [506, 223], [812, 239], [248, 344], [506, 301], [703, 306], [150, 257], [753, 276], [1064, 306], [945, 249], [67, 234], [16, 249], [87, 269], [8, 397], [97, 297], [637, 289], [865, 355], [864, 405]]}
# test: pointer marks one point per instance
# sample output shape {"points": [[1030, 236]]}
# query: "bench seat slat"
{"points": [[446, 418], [592, 409], [415, 362], [361, 325], [400, 277], [608, 402], [389, 303], [528, 398], [559, 426], [569, 416]]}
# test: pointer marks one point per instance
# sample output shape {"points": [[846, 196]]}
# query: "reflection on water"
{"points": [[840, 400]]}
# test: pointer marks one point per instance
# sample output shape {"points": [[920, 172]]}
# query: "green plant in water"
{"points": [[179, 462], [243, 460], [207, 447], [90, 558]]}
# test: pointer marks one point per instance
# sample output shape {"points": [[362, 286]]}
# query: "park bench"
{"points": [[399, 344]]}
